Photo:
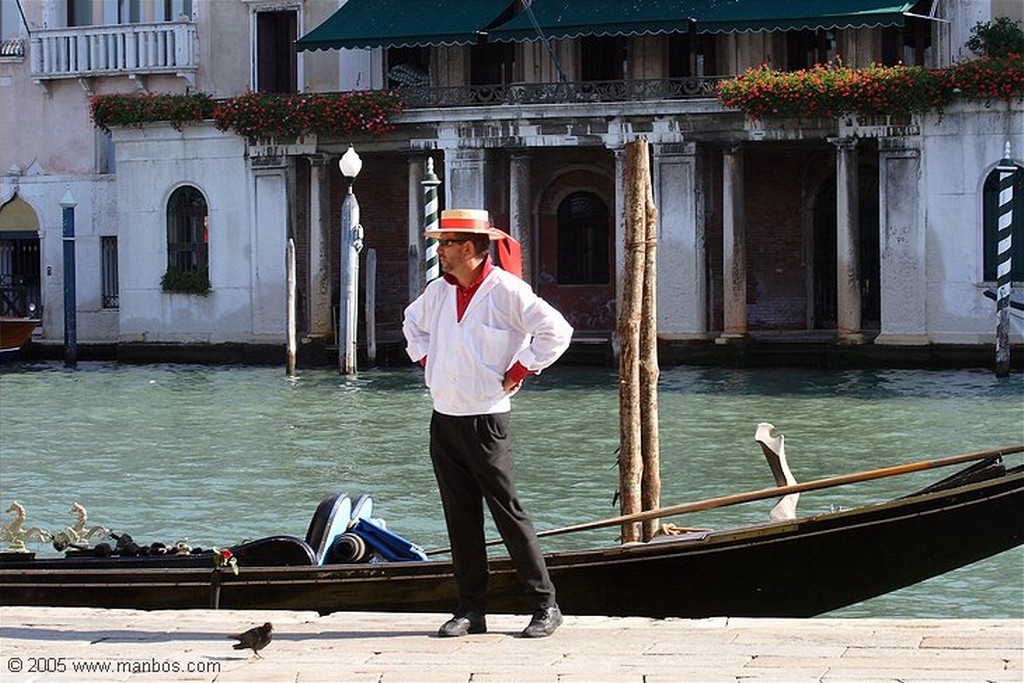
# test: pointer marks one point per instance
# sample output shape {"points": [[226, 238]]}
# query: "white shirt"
{"points": [[505, 322]]}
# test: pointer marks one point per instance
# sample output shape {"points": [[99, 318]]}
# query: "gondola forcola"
{"points": [[790, 567]]}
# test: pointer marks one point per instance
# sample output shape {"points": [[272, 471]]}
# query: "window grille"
{"points": [[583, 240], [108, 271], [187, 231]]}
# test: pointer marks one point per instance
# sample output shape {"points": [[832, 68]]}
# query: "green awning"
{"points": [[572, 18], [399, 23], [729, 16]]}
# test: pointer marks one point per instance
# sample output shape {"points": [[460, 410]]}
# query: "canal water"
{"points": [[216, 455]]}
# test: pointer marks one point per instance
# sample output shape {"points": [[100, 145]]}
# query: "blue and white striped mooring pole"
{"points": [[430, 218], [1004, 262]]}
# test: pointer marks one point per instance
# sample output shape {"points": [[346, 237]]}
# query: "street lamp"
{"points": [[351, 244]]}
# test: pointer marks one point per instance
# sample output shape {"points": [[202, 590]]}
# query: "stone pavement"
{"points": [[63, 644]]}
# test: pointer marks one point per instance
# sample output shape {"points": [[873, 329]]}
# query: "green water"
{"points": [[221, 454]]}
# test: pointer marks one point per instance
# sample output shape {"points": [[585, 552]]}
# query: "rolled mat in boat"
{"points": [[347, 548]]}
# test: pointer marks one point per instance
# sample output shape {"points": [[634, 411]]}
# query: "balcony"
{"points": [[420, 97], [133, 50]]}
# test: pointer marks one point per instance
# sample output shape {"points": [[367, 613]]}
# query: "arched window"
{"points": [[991, 226], [583, 235], [188, 232]]}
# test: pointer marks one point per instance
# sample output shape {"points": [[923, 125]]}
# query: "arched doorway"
{"points": [[822, 309], [577, 261], [20, 294]]}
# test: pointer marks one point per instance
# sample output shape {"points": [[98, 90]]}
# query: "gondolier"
{"points": [[479, 331]]}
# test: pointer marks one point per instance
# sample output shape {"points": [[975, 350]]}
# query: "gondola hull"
{"points": [[797, 568]]}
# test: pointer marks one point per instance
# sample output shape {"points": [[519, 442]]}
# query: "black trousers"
{"points": [[472, 458]]}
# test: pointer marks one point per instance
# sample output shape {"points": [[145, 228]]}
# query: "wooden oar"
{"points": [[735, 499]]}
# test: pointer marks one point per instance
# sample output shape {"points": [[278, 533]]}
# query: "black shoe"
{"points": [[462, 624], [544, 622]]}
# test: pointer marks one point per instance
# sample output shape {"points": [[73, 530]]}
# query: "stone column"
{"points": [[682, 291], [734, 247], [416, 266], [465, 185], [620, 225], [269, 237], [320, 247], [848, 296], [520, 207], [903, 282]]}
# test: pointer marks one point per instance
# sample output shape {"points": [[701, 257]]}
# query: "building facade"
{"points": [[857, 232]]}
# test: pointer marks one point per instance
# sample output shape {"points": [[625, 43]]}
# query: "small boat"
{"points": [[796, 567], [14, 332]]}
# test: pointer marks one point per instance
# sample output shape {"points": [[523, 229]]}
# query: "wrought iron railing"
{"points": [[129, 49], [414, 97], [20, 301], [15, 47]]}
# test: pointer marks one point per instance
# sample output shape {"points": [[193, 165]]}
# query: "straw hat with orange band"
{"points": [[478, 222]]}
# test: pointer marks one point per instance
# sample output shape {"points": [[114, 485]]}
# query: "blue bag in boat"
{"points": [[387, 544]]}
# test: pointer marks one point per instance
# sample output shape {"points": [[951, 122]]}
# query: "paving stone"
{"points": [[397, 648]]}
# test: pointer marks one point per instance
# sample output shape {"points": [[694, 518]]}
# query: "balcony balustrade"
{"points": [[134, 50], [422, 97]]}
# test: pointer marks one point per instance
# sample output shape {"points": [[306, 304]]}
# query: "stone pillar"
{"points": [[520, 207], [734, 247], [416, 266], [848, 295], [682, 291], [903, 282], [269, 238], [465, 185], [320, 247], [620, 226]]}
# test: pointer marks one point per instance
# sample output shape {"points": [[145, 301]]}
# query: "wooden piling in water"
{"points": [[639, 478], [630, 460], [290, 306], [650, 482]]}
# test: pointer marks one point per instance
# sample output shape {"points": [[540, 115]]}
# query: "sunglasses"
{"points": [[448, 243]]}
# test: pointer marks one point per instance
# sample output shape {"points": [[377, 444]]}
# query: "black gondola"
{"points": [[793, 568]]}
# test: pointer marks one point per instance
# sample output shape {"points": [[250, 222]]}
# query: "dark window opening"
{"points": [[188, 235], [691, 54], [492, 64], [276, 61], [173, 10], [408, 66], [79, 13], [805, 48], [602, 58], [908, 44], [990, 222], [583, 240], [108, 271]]}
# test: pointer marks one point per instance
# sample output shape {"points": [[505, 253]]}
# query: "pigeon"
{"points": [[255, 639]]}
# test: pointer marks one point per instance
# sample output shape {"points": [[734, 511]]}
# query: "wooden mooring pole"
{"points": [[639, 478], [650, 484], [290, 298]]}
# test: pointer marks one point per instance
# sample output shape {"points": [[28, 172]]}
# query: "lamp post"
{"points": [[351, 244], [67, 205]]}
